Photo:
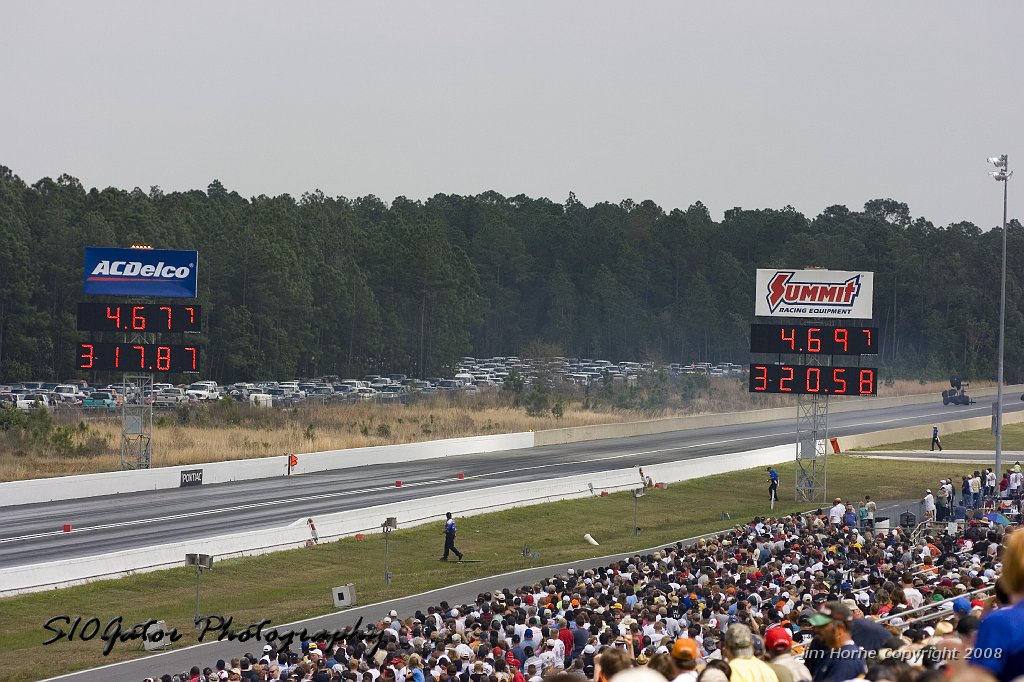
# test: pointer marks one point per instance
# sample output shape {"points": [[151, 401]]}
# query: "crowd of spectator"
{"points": [[813, 597]]}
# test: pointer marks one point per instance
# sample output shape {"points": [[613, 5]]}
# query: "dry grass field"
{"points": [[229, 431]]}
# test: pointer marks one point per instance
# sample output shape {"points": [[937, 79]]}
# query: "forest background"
{"points": [[324, 285]]}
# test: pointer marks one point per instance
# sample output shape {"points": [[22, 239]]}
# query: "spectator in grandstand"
{"points": [[835, 514], [684, 656], [999, 646], [739, 652], [843, 660], [976, 490], [610, 662], [1016, 480], [778, 645], [942, 502], [928, 505]]}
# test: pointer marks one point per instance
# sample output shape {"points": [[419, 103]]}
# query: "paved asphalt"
{"points": [[206, 654], [32, 534]]}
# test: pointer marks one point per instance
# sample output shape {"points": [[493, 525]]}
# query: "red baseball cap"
{"points": [[778, 639]]}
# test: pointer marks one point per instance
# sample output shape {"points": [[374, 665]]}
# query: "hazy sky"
{"points": [[753, 104]]}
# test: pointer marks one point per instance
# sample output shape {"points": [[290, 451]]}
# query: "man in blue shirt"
{"points": [[449, 538], [773, 484]]}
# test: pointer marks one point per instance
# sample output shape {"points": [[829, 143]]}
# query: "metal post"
{"points": [[1002, 334], [1002, 174], [387, 574], [199, 574], [636, 529]]}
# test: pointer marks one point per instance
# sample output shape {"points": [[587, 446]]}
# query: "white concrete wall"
{"points": [[112, 483], [409, 513]]}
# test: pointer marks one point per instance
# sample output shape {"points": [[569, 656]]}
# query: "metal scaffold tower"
{"points": [[811, 443], [137, 422]]}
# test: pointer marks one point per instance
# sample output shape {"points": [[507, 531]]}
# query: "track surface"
{"points": [[31, 534]]}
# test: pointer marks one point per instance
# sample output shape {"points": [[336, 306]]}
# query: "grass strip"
{"points": [[982, 439], [292, 585]]}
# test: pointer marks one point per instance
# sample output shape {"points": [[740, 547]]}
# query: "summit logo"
{"points": [[814, 293], [782, 289]]}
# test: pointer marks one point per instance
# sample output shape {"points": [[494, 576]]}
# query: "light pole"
{"points": [[1001, 174], [637, 494], [200, 561], [390, 524]]}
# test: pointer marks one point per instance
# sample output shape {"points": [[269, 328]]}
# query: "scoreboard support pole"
{"points": [[811, 439], [811, 450], [137, 424], [137, 417]]}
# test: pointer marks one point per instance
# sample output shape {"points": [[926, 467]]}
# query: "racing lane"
{"points": [[32, 534]]}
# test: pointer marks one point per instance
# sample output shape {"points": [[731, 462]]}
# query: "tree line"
{"points": [[330, 285]]}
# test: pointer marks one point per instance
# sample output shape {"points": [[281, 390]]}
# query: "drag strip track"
{"points": [[32, 534]]}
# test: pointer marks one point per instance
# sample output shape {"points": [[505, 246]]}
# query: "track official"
{"points": [[449, 538]]}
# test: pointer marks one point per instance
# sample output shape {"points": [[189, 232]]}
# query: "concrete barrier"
{"points": [[653, 426], [116, 482], [37, 577]]}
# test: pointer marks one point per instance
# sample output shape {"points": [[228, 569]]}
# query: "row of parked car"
{"points": [[471, 376]]}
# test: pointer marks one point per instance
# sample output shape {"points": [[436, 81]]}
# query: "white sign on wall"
{"points": [[814, 293]]}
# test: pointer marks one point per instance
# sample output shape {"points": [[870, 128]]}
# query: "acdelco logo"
{"points": [[119, 269], [782, 290]]}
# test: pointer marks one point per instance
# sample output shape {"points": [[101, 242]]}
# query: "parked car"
{"points": [[29, 401], [203, 390], [100, 400], [170, 397]]}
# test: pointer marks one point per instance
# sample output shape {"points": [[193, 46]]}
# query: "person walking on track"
{"points": [[935, 439], [449, 538]]}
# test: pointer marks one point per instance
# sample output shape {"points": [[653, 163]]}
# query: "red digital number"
{"points": [[791, 338], [867, 382], [193, 350], [117, 356], [838, 381], [86, 356], [138, 321], [867, 333], [761, 374], [191, 314], [840, 336], [816, 386], [784, 379], [167, 309], [813, 342], [163, 358], [116, 317], [142, 356]]}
